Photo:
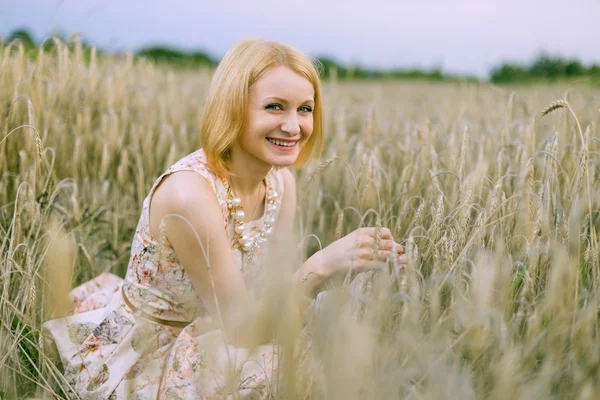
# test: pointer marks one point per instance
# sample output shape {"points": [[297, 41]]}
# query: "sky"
{"points": [[460, 36]]}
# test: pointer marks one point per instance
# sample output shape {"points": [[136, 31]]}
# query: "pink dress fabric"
{"points": [[108, 351]]}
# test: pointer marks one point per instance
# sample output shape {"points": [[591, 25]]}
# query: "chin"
{"points": [[282, 162], [281, 159]]}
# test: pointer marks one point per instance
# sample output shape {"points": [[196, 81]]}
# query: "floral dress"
{"points": [[148, 336]]}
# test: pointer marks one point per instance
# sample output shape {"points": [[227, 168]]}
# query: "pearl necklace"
{"points": [[242, 240]]}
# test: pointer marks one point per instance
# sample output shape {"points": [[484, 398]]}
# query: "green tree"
{"points": [[176, 56], [507, 73], [574, 68], [24, 36]]}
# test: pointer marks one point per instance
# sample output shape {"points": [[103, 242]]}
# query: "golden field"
{"points": [[495, 204]]}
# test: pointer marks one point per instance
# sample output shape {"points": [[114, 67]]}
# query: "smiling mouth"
{"points": [[281, 143]]}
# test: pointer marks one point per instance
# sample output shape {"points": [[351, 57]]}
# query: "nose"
{"points": [[290, 125]]}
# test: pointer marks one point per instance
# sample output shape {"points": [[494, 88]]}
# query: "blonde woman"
{"points": [[203, 235]]}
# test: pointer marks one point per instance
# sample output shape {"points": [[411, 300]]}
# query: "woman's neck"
{"points": [[248, 173]]}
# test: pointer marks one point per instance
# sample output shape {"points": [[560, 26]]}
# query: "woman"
{"points": [[202, 237]]}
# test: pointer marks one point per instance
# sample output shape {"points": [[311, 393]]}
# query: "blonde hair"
{"points": [[227, 103]]}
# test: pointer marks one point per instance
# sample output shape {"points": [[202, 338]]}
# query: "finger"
{"points": [[369, 241], [375, 265], [365, 240], [382, 255], [371, 232], [388, 245], [399, 248], [370, 253], [366, 231], [403, 259], [386, 234]]}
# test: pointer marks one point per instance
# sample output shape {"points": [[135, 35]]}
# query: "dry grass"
{"points": [[496, 207]]}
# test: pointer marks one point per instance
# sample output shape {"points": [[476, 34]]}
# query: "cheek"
{"points": [[254, 126], [263, 123], [307, 127]]}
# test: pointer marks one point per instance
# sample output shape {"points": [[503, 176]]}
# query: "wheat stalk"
{"points": [[464, 148], [112, 126], [563, 103]]}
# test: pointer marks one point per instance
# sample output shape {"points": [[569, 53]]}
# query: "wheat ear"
{"points": [[319, 170], [339, 226], [554, 106], [563, 103]]}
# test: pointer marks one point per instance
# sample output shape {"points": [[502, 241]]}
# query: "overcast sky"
{"points": [[462, 36]]}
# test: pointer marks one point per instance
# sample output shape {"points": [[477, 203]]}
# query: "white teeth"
{"points": [[280, 143]]}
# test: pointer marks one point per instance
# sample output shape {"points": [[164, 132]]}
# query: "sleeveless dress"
{"points": [[130, 338]]}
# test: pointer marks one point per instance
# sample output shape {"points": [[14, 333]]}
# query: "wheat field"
{"points": [[495, 204]]}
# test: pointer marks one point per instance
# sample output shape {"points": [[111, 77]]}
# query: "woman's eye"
{"points": [[273, 107], [306, 109]]}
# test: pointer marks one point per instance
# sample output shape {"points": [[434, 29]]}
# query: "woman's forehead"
{"points": [[283, 83]]}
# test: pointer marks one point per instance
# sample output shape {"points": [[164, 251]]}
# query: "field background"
{"points": [[495, 204]]}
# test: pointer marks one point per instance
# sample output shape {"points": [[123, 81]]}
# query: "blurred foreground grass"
{"points": [[495, 205]]}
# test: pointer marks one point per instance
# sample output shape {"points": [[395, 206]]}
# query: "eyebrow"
{"points": [[285, 101]]}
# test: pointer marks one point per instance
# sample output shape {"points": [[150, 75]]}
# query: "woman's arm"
{"points": [[196, 234], [193, 225]]}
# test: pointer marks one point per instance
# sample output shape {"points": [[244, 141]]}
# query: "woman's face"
{"points": [[279, 119]]}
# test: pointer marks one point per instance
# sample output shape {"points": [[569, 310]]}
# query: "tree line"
{"points": [[545, 67]]}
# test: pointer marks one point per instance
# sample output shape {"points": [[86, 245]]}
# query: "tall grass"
{"points": [[495, 205]]}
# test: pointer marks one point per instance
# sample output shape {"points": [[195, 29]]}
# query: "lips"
{"points": [[282, 142]]}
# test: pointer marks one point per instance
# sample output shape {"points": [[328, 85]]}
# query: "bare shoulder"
{"points": [[181, 188], [181, 193]]}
